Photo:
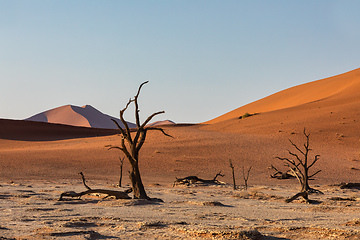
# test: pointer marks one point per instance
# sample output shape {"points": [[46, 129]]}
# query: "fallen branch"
{"points": [[350, 185], [108, 193], [194, 179], [282, 175], [300, 194]]}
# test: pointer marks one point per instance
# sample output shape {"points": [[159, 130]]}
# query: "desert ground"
{"points": [[39, 161]]}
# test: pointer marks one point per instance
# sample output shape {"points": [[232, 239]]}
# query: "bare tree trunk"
{"points": [[121, 170], [233, 174], [137, 185], [246, 177]]}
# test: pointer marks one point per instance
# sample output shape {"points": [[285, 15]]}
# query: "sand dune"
{"points": [[345, 85], [164, 122], [38, 160], [85, 116], [43, 131]]}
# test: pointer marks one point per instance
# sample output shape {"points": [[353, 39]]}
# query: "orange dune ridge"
{"points": [[347, 85], [85, 116]]}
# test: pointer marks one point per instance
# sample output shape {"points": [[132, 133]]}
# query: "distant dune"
{"points": [[345, 85], [85, 116], [165, 122]]}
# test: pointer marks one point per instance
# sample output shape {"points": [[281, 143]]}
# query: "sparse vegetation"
{"points": [[245, 115]]}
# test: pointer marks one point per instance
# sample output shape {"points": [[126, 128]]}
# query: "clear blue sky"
{"points": [[202, 58]]}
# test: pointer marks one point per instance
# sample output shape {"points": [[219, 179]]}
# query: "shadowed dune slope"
{"points": [[344, 86], [42, 131], [85, 116]]}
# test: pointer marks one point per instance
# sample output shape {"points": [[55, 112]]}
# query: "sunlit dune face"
{"points": [[343, 86]]}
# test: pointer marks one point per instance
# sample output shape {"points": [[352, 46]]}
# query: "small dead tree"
{"points": [[233, 174], [194, 179], [121, 169], [131, 145], [246, 176], [300, 164]]}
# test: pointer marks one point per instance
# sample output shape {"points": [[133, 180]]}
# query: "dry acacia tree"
{"points": [[233, 174], [132, 143], [300, 164]]}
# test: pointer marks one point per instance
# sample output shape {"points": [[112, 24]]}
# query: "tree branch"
{"points": [[141, 129], [137, 116], [315, 160], [297, 157], [159, 129], [297, 148], [150, 117], [84, 181], [292, 162], [314, 174], [119, 127]]}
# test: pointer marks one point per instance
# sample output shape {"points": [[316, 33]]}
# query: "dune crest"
{"points": [[85, 116], [159, 123], [345, 86]]}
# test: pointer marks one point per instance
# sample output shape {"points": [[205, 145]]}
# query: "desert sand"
{"points": [[40, 160]]}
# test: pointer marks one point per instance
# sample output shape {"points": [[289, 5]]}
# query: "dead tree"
{"points": [[300, 164], [134, 143], [121, 170], [246, 177], [233, 174], [194, 179], [116, 194]]}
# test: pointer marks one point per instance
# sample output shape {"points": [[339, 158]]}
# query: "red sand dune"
{"points": [[85, 116], [328, 108], [345, 85]]}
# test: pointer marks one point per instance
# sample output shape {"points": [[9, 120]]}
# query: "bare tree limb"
{"points": [[315, 160], [297, 148], [151, 117], [137, 116], [159, 129], [119, 127], [84, 181], [314, 174]]}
